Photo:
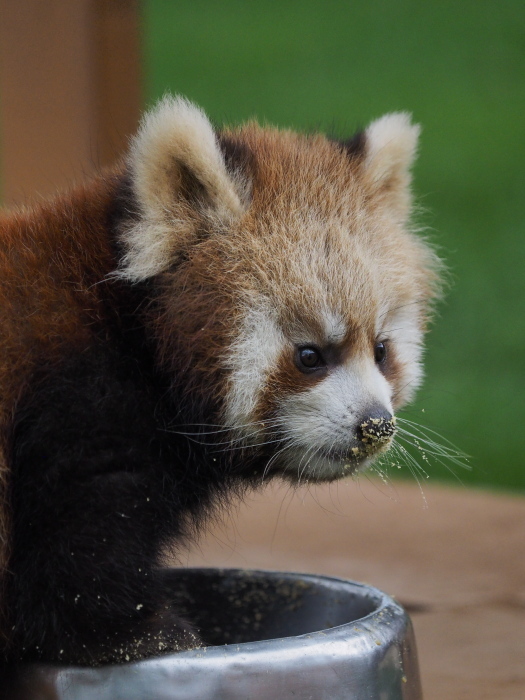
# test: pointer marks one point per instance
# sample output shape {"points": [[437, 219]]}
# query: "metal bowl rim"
{"points": [[383, 601]]}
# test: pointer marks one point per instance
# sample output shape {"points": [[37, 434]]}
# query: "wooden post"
{"points": [[70, 90]]}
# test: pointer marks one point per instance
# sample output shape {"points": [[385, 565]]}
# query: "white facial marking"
{"points": [[402, 328], [251, 357], [334, 326]]}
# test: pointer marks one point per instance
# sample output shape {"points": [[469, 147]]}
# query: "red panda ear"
{"points": [[178, 175], [390, 150]]}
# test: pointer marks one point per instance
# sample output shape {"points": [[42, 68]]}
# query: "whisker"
{"points": [[438, 459], [261, 424], [427, 447], [414, 468], [443, 454], [272, 459], [422, 428], [248, 446], [300, 471]]}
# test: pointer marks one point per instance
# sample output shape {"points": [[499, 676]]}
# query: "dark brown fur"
{"points": [[52, 260]]}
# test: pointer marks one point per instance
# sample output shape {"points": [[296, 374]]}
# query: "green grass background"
{"points": [[459, 67]]}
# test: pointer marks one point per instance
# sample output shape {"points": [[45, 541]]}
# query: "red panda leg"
{"points": [[88, 590], [96, 496]]}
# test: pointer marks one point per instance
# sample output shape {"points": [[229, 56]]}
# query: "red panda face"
{"points": [[291, 280], [328, 343]]}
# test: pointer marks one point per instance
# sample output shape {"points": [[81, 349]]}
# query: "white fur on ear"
{"points": [[391, 144], [175, 142]]}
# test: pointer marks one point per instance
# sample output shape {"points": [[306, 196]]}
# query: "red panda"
{"points": [[222, 308]]}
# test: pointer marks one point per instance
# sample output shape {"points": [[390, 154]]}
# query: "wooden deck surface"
{"points": [[456, 561]]}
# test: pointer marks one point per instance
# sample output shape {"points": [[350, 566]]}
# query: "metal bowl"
{"points": [[276, 636]]}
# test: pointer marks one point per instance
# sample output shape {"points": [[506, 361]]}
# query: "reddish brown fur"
{"points": [[52, 258]]}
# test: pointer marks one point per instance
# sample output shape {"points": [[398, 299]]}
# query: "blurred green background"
{"points": [[459, 67]]}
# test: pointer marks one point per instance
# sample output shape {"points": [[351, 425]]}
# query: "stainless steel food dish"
{"points": [[271, 636]]}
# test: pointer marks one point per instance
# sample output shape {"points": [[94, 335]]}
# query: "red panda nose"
{"points": [[377, 426]]}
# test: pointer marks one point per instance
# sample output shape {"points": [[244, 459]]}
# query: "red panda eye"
{"points": [[380, 353], [310, 358]]}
